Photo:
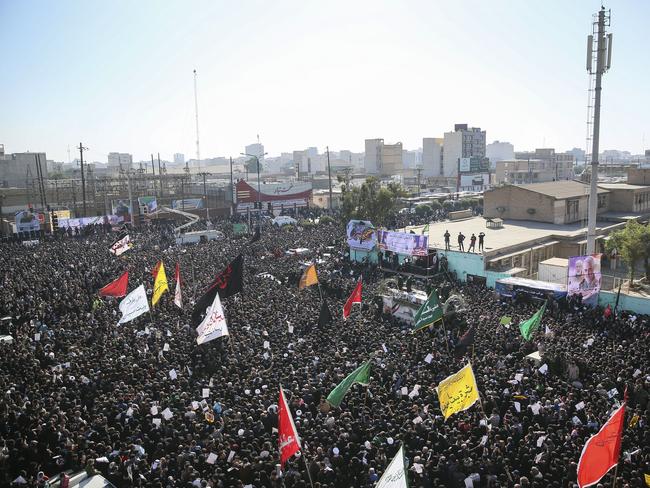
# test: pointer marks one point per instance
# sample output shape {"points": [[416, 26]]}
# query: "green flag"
{"points": [[425, 229], [429, 313], [527, 327], [505, 320], [360, 375]]}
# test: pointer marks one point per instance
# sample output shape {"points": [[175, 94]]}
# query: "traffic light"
{"points": [[55, 221]]}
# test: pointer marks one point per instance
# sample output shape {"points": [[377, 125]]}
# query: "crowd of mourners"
{"points": [[79, 392]]}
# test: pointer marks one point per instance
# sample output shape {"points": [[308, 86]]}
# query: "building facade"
{"points": [[179, 159], [432, 156], [383, 159], [560, 163], [20, 170], [463, 142], [120, 161], [526, 171], [499, 151]]}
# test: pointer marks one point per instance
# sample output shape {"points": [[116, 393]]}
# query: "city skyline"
{"points": [[118, 76]]}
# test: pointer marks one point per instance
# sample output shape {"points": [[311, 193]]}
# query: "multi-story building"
{"points": [[432, 156], [499, 151], [179, 159], [463, 142], [559, 166], [383, 159], [354, 159], [526, 171], [120, 161], [20, 169]]}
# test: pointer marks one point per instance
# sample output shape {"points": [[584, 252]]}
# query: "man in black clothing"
{"points": [[481, 238], [461, 239], [472, 243], [447, 236]]}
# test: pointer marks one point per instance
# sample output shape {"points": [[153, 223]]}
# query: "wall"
{"points": [[638, 176], [632, 303], [464, 263], [453, 149], [517, 202], [431, 156], [358, 255]]}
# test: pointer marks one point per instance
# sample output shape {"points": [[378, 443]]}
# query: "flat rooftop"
{"points": [[514, 233]]}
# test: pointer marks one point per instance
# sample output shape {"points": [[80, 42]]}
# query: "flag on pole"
{"points": [[395, 474], [527, 327], [360, 375], [325, 316], [429, 313], [288, 439], [122, 245], [466, 340], [355, 297], [309, 277], [154, 271], [178, 295], [134, 305], [227, 283], [159, 284], [214, 324], [457, 392], [116, 288], [602, 450]]}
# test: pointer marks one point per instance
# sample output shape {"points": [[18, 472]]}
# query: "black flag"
{"points": [[227, 283], [325, 317], [466, 340]]}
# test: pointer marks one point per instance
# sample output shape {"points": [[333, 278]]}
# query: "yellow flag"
{"points": [[647, 479], [457, 392], [159, 285], [309, 277]]}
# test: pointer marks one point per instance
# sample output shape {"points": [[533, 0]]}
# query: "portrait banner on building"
{"points": [[585, 278], [188, 204], [147, 204], [361, 235], [403, 243], [122, 208], [27, 221]]}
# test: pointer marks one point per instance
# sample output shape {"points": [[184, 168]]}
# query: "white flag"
{"points": [[395, 474], [214, 324], [134, 305], [178, 296], [121, 246]]}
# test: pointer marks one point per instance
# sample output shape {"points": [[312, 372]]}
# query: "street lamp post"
{"points": [[259, 194]]}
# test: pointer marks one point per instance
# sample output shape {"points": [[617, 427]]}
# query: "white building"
{"points": [[120, 161], [499, 151], [179, 159], [432, 156], [256, 149], [463, 142], [383, 159]]}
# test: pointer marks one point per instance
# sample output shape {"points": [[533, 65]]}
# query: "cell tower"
{"points": [[196, 113], [599, 60]]}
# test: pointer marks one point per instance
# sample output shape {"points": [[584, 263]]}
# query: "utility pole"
{"points": [[603, 62], [160, 176], [205, 195], [329, 174], [232, 190], [153, 172], [196, 113], [419, 170], [83, 177]]}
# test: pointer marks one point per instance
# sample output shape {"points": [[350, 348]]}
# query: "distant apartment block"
{"points": [[383, 159], [179, 159], [20, 169], [463, 142], [432, 156], [499, 151], [120, 161]]}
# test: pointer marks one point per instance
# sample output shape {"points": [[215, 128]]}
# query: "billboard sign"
{"points": [[474, 164], [188, 204], [403, 243], [147, 204], [474, 181], [465, 165], [361, 235], [27, 221], [274, 195], [585, 278], [122, 208]]}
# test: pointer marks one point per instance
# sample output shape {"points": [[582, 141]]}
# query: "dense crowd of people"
{"points": [[80, 392]]}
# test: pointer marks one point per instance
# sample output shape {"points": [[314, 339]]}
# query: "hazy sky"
{"points": [[117, 75]]}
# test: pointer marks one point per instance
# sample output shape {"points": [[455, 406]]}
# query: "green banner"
{"points": [[360, 375], [429, 313], [529, 326], [240, 229]]}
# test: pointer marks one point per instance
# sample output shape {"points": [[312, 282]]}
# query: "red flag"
{"points": [[288, 439], [601, 451], [354, 298], [154, 271], [116, 288]]}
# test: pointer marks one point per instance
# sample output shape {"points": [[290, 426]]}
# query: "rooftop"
{"points": [[622, 186], [560, 190], [514, 233]]}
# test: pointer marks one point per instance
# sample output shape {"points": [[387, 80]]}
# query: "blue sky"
{"points": [[117, 75]]}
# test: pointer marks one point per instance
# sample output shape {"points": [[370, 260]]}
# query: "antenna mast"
{"points": [[600, 44], [196, 112]]}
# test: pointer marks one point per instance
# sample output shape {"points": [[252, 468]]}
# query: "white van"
{"points": [[281, 220]]}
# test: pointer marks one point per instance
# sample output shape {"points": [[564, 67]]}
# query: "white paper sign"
{"points": [[267, 344], [37, 337], [536, 407], [405, 390], [541, 440], [544, 368], [518, 406], [195, 405], [580, 406], [383, 346], [167, 413], [519, 377], [212, 458], [172, 374], [134, 304], [166, 347], [206, 393], [291, 329], [154, 410], [429, 358], [157, 422], [231, 456]]}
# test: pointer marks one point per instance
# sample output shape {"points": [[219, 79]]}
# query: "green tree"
{"points": [[423, 210], [370, 201], [630, 244], [449, 205]]}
